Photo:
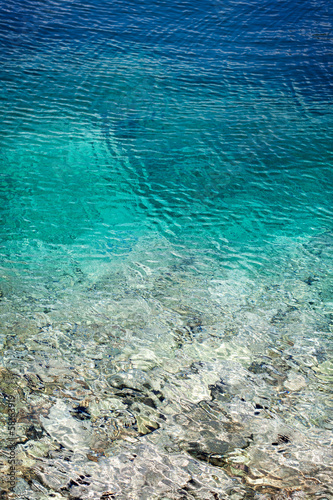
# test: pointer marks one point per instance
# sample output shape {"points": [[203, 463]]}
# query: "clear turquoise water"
{"points": [[164, 164]]}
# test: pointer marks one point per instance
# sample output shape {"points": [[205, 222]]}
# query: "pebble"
{"points": [[295, 382]]}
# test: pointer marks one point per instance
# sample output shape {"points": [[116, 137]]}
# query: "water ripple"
{"points": [[166, 246]]}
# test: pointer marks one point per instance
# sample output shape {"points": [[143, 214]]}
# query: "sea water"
{"points": [[166, 248]]}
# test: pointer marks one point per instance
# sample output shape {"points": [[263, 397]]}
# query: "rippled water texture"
{"points": [[166, 249]]}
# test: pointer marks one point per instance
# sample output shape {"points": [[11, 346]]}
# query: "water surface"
{"points": [[166, 248]]}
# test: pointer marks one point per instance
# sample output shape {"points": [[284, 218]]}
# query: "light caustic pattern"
{"points": [[166, 248]]}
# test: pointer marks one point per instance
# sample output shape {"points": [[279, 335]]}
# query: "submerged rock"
{"points": [[294, 382]]}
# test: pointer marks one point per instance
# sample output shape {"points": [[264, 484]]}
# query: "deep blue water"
{"points": [[168, 153], [205, 116]]}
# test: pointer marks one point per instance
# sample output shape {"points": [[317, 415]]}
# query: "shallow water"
{"points": [[166, 260]]}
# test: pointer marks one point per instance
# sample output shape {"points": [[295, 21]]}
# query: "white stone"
{"points": [[295, 382]]}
